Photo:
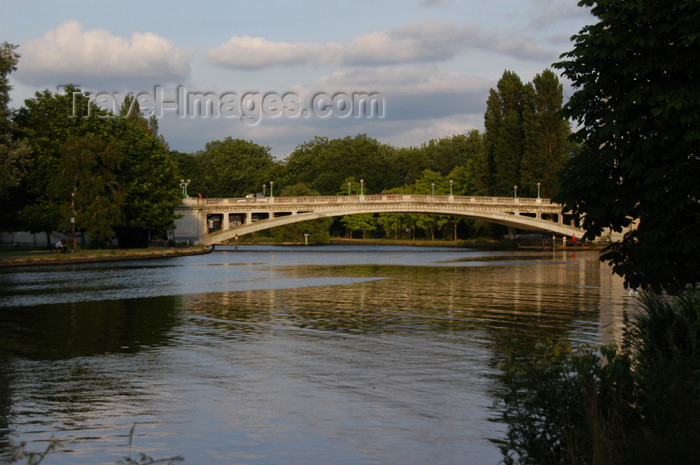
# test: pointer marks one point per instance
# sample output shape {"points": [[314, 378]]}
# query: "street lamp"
{"points": [[272, 183], [264, 185], [362, 187], [349, 189], [516, 191], [432, 188], [183, 186], [451, 187], [538, 190]]}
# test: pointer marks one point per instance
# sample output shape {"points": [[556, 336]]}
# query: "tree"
{"points": [[637, 78], [546, 132], [323, 164], [87, 176], [499, 167], [234, 168], [118, 161], [14, 151], [148, 177], [365, 222], [45, 121]]}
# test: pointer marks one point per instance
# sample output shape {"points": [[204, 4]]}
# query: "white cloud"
{"points": [[257, 53], [72, 54], [421, 42], [422, 80], [417, 134]]}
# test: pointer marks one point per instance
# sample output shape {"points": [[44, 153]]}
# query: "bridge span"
{"points": [[214, 220]]}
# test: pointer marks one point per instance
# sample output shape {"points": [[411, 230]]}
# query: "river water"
{"points": [[285, 355]]}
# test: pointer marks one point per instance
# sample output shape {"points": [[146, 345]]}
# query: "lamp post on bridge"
{"points": [[362, 190], [432, 188], [516, 191], [349, 188], [451, 187], [264, 185], [183, 186], [538, 190], [272, 183]]}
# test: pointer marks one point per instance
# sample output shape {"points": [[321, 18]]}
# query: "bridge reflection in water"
{"points": [[209, 221]]}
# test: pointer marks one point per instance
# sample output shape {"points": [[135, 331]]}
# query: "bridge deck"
{"points": [[378, 198]]}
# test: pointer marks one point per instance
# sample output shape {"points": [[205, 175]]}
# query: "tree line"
{"points": [[112, 175]]}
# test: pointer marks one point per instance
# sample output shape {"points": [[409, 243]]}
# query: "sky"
{"points": [[280, 73]]}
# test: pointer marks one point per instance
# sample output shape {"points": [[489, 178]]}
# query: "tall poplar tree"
{"points": [[503, 137], [545, 136]]}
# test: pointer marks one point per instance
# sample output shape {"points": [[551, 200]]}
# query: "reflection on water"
{"points": [[356, 355]]}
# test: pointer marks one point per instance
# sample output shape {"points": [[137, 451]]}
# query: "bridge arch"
{"points": [[520, 213]]}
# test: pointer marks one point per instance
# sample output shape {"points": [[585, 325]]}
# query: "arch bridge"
{"points": [[213, 220]]}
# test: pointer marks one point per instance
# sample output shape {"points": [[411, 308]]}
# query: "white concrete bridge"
{"points": [[211, 221]]}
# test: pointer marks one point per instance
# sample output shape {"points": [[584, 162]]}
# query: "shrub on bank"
{"points": [[638, 403]]}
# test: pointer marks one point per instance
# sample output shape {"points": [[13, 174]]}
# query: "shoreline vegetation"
{"points": [[30, 257], [18, 256]]}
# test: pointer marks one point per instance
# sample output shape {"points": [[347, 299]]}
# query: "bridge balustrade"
{"points": [[344, 199]]}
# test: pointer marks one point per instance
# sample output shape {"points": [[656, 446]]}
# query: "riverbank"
{"points": [[477, 243], [23, 257], [471, 243]]}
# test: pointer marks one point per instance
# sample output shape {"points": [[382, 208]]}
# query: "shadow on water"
{"points": [[85, 329], [54, 335]]}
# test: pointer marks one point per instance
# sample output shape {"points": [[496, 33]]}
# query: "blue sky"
{"points": [[272, 68]]}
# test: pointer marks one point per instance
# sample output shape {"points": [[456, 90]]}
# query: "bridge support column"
{"points": [[204, 225], [248, 217], [225, 223]]}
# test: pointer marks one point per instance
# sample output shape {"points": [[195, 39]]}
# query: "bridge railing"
{"points": [[376, 198]]}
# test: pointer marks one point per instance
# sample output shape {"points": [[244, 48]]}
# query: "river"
{"points": [[285, 355]]}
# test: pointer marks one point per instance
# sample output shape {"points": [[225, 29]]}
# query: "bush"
{"points": [[638, 403]]}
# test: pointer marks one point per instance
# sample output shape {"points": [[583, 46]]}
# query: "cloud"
{"points": [[435, 3], [72, 54], [257, 53], [422, 42]]}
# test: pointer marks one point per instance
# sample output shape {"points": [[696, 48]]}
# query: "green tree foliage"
{"points": [[9, 57], [364, 222], [408, 163], [233, 168], [87, 175], [504, 133], [525, 138], [48, 120], [323, 164], [546, 134], [639, 405], [637, 78], [188, 166], [117, 160], [14, 152], [148, 177]]}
